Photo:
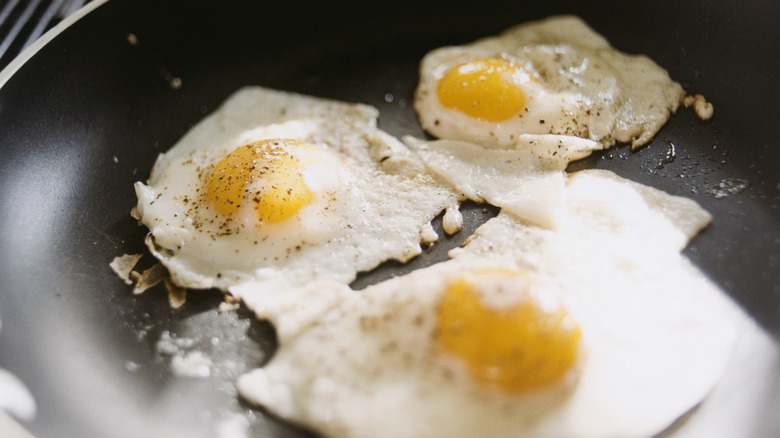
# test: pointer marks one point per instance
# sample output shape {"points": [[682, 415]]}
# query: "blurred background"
{"points": [[24, 21]]}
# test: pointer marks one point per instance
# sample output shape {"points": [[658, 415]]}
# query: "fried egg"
{"points": [[553, 76], [527, 179], [526, 331], [279, 189]]}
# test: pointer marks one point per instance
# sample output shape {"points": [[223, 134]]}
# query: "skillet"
{"points": [[85, 115]]}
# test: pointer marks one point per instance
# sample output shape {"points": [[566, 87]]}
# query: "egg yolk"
{"points": [[517, 349], [266, 175], [483, 89]]}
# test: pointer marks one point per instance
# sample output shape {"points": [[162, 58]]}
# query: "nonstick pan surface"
{"points": [[86, 115]]}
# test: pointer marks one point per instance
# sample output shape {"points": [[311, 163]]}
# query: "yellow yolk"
{"points": [[482, 88], [519, 348], [265, 175]]}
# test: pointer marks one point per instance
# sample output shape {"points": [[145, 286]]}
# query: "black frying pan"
{"points": [[86, 116]]}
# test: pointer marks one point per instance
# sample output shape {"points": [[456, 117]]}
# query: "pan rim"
{"points": [[32, 49]]}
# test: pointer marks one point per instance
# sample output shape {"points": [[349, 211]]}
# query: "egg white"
{"points": [[526, 179], [657, 334], [581, 86]]}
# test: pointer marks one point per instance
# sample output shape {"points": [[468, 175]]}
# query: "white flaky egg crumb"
{"points": [[123, 266], [704, 110]]}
